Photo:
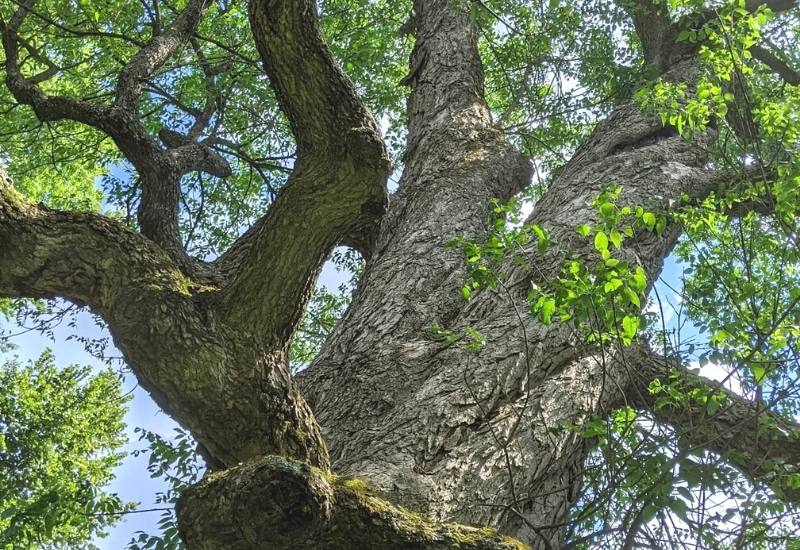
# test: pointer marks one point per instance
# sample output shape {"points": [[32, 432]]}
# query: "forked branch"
{"points": [[336, 192], [237, 398]]}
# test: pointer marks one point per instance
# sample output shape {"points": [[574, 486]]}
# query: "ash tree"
{"points": [[183, 169]]}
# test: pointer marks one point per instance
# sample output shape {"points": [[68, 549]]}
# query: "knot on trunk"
{"points": [[280, 503]]}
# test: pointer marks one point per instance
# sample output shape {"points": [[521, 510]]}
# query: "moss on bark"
{"points": [[280, 503]]}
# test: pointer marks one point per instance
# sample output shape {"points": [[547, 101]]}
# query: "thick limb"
{"points": [[236, 396], [336, 192], [762, 444]]}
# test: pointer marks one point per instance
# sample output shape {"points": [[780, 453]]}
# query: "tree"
{"points": [[60, 440], [253, 155]]}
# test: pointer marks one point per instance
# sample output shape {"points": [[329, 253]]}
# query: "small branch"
{"points": [[27, 4], [47, 108], [188, 155], [156, 52], [129, 512]]}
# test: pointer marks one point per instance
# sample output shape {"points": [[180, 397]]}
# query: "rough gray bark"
{"points": [[478, 439], [423, 438]]}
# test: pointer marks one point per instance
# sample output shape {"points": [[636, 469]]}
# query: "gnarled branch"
{"points": [[236, 397], [80, 256], [160, 171], [336, 192], [324, 111]]}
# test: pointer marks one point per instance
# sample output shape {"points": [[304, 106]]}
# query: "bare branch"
{"points": [[188, 155]]}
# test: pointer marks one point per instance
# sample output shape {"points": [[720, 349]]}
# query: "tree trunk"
{"points": [[466, 437], [477, 438]]}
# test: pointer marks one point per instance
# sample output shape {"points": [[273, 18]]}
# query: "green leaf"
{"points": [[612, 285], [633, 298], [547, 309], [616, 238], [601, 241], [759, 373], [639, 279], [649, 512], [542, 235], [630, 325], [64, 428], [649, 220]]}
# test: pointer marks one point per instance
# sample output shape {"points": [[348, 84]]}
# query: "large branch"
{"points": [[762, 444], [156, 52], [283, 504], [778, 65], [236, 397], [80, 256], [456, 163], [336, 192], [395, 436], [324, 111]]}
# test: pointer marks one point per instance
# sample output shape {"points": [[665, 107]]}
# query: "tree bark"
{"points": [[481, 440], [477, 438]]}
